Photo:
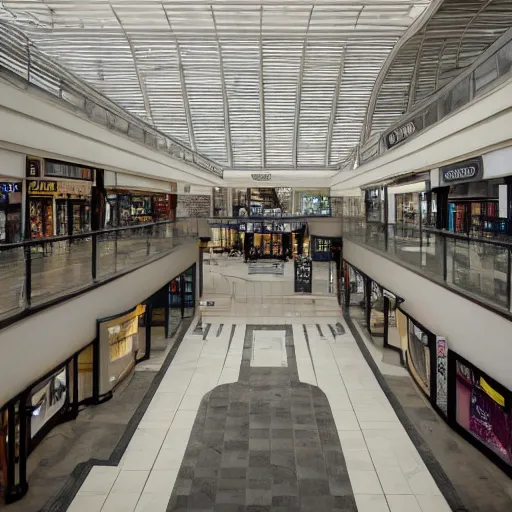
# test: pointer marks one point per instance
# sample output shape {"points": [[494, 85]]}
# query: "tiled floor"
{"points": [[351, 413]]}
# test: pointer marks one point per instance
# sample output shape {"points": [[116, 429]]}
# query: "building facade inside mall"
{"points": [[256, 255]]}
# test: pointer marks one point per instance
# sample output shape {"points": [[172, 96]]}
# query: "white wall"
{"points": [[39, 127], [195, 190], [312, 178], [129, 181], [12, 164], [34, 346], [328, 227], [476, 129], [479, 335]]}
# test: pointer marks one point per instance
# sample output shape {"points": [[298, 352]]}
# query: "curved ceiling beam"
{"points": [[142, 85], [183, 84], [417, 25], [414, 80], [334, 109], [227, 124], [298, 97], [459, 47], [262, 97]]}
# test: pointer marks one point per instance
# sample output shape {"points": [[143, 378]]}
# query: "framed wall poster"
{"points": [[442, 374], [483, 410]]}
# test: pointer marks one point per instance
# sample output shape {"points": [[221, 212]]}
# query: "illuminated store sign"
{"points": [[469, 170], [10, 187]]}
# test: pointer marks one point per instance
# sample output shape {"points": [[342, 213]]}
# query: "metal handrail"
{"points": [[441, 258]]}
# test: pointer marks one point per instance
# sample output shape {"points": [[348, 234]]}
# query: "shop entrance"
{"points": [[40, 217], [73, 217]]}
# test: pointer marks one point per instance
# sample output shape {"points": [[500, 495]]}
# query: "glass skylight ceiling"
{"points": [[250, 84]]}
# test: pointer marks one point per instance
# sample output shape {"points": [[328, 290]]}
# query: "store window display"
{"points": [[10, 212], [483, 409], [312, 202], [375, 203]]}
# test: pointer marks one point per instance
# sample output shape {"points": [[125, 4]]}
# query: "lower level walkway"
{"points": [[256, 416]]}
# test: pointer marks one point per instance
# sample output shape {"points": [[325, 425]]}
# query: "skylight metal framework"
{"points": [[452, 36], [251, 84]]}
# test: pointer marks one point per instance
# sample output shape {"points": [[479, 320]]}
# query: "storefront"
{"points": [[376, 204], [481, 410], [58, 199], [312, 202], [468, 203], [181, 292], [123, 342], [127, 208], [10, 211], [27, 418], [273, 239]]}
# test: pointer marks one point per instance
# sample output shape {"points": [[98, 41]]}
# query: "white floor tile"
{"points": [[371, 503], [351, 440], [125, 501], [422, 482], [433, 503], [152, 502], [169, 459], [100, 480], [393, 481], [364, 482], [161, 481], [134, 460], [402, 503], [87, 503], [130, 482], [358, 460], [345, 420]]}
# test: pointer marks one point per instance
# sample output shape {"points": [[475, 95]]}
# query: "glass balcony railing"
{"points": [[37, 272], [478, 267]]}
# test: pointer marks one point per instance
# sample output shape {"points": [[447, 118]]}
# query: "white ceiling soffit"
{"points": [[250, 84], [448, 41]]}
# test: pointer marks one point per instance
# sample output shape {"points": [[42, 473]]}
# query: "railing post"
{"points": [[28, 276], [445, 258], [94, 256], [148, 241], [509, 275], [115, 251]]}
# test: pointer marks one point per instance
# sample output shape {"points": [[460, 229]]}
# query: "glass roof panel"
{"points": [[250, 84]]}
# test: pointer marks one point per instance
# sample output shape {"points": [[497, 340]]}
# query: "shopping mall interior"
{"points": [[256, 255]]}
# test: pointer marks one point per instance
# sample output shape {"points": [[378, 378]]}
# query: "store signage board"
{"points": [[400, 134], [42, 188], [33, 169], [207, 303], [45, 188], [65, 170], [261, 176], [462, 172], [10, 187]]}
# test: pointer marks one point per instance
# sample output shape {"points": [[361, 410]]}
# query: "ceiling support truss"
{"points": [[296, 132], [262, 97], [227, 125], [459, 47], [334, 109], [414, 79], [184, 93], [140, 78]]}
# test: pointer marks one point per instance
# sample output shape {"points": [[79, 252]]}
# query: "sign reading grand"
{"points": [[469, 170]]}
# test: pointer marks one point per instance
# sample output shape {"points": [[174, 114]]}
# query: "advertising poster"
{"points": [[482, 411], [442, 374]]}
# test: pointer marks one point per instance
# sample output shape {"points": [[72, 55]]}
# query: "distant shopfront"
{"points": [[10, 211], [470, 201], [129, 207], [58, 198]]}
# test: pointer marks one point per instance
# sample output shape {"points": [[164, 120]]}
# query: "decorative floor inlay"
{"points": [[266, 443]]}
